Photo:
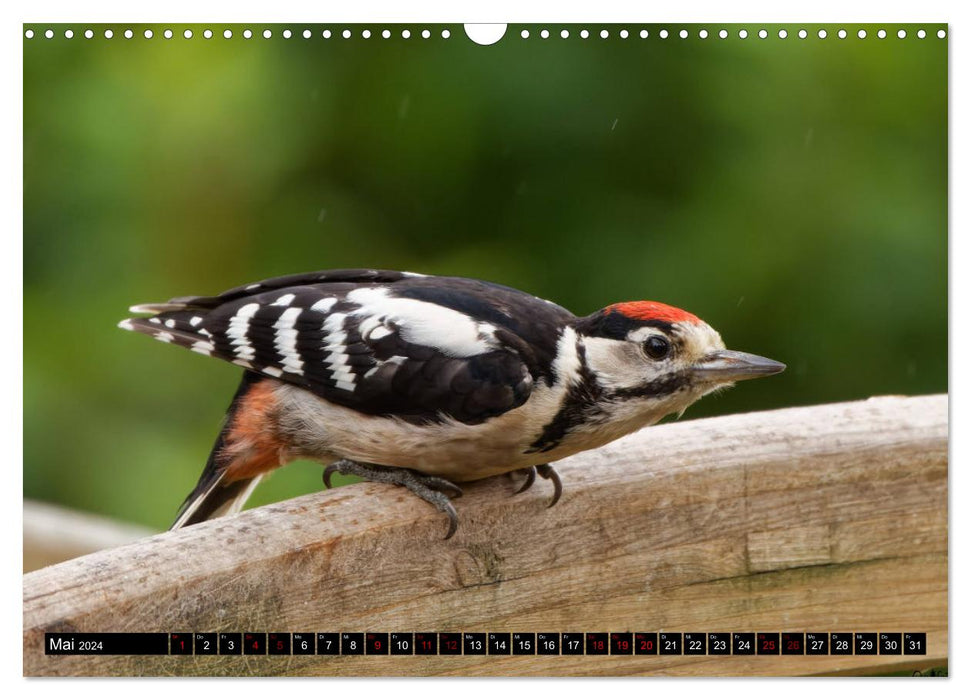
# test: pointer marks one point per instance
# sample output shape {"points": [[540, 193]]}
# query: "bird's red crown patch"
{"points": [[653, 311]]}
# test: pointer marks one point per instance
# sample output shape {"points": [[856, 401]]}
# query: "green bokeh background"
{"points": [[791, 192]]}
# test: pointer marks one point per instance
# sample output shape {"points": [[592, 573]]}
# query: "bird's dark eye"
{"points": [[657, 347]]}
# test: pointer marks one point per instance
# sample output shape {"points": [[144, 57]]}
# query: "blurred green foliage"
{"points": [[791, 192]]}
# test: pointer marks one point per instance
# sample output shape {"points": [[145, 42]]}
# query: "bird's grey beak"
{"points": [[732, 366]]}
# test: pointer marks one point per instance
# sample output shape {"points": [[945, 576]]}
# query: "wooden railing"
{"points": [[820, 519]]}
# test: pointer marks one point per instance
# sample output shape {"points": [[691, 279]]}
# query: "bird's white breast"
{"points": [[325, 431], [321, 430]]}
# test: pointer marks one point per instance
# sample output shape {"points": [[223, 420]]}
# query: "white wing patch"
{"points": [[284, 300], [237, 329], [420, 322], [285, 339], [336, 342], [203, 347], [323, 306]]}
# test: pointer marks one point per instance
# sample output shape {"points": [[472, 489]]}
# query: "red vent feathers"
{"points": [[653, 311]]}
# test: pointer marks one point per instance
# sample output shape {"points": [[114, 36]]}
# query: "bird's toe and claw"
{"points": [[530, 474], [546, 472], [433, 489]]}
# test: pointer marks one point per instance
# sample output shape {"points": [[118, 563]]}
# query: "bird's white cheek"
{"points": [[618, 364]]}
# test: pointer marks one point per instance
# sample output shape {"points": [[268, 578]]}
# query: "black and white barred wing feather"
{"points": [[350, 337]]}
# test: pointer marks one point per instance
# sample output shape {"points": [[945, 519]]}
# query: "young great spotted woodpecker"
{"points": [[425, 381]]}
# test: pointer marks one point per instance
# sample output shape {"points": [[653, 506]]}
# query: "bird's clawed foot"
{"points": [[433, 489], [546, 472]]}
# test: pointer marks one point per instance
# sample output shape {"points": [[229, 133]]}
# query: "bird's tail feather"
{"points": [[213, 496], [215, 501]]}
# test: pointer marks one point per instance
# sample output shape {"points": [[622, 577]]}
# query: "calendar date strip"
{"points": [[486, 643]]}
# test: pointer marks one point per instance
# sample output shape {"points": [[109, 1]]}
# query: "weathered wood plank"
{"points": [[53, 534], [826, 518]]}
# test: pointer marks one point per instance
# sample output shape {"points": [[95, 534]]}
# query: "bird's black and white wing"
{"points": [[380, 342]]}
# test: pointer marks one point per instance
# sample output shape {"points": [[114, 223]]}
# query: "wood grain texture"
{"points": [[825, 518]]}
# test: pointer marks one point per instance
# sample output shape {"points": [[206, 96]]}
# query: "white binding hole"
{"points": [[703, 34], [901, 34], [604, 33], [187, 33], [763, 34], [644, 34], [921, 34], [484, 34], [624, 34], [68, 34], [446, 34], [326, 34], [227, 34], [405, 34], [88, 34], [524, 34], [29, 34], [545, 34], [941, 34], [841, 33], [129, 33], [108, 33], [663, 34], [307, 34], [425, 34], [49, 34], [683, 34], [565, 34], [882, 34], [207, 34], [783, 33], [287, 34], [366, 34], [723, 34], [267, 34], [821, 33], [584, 34], [346, 33], [742, 34], [168, 33], [861, 33]]}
